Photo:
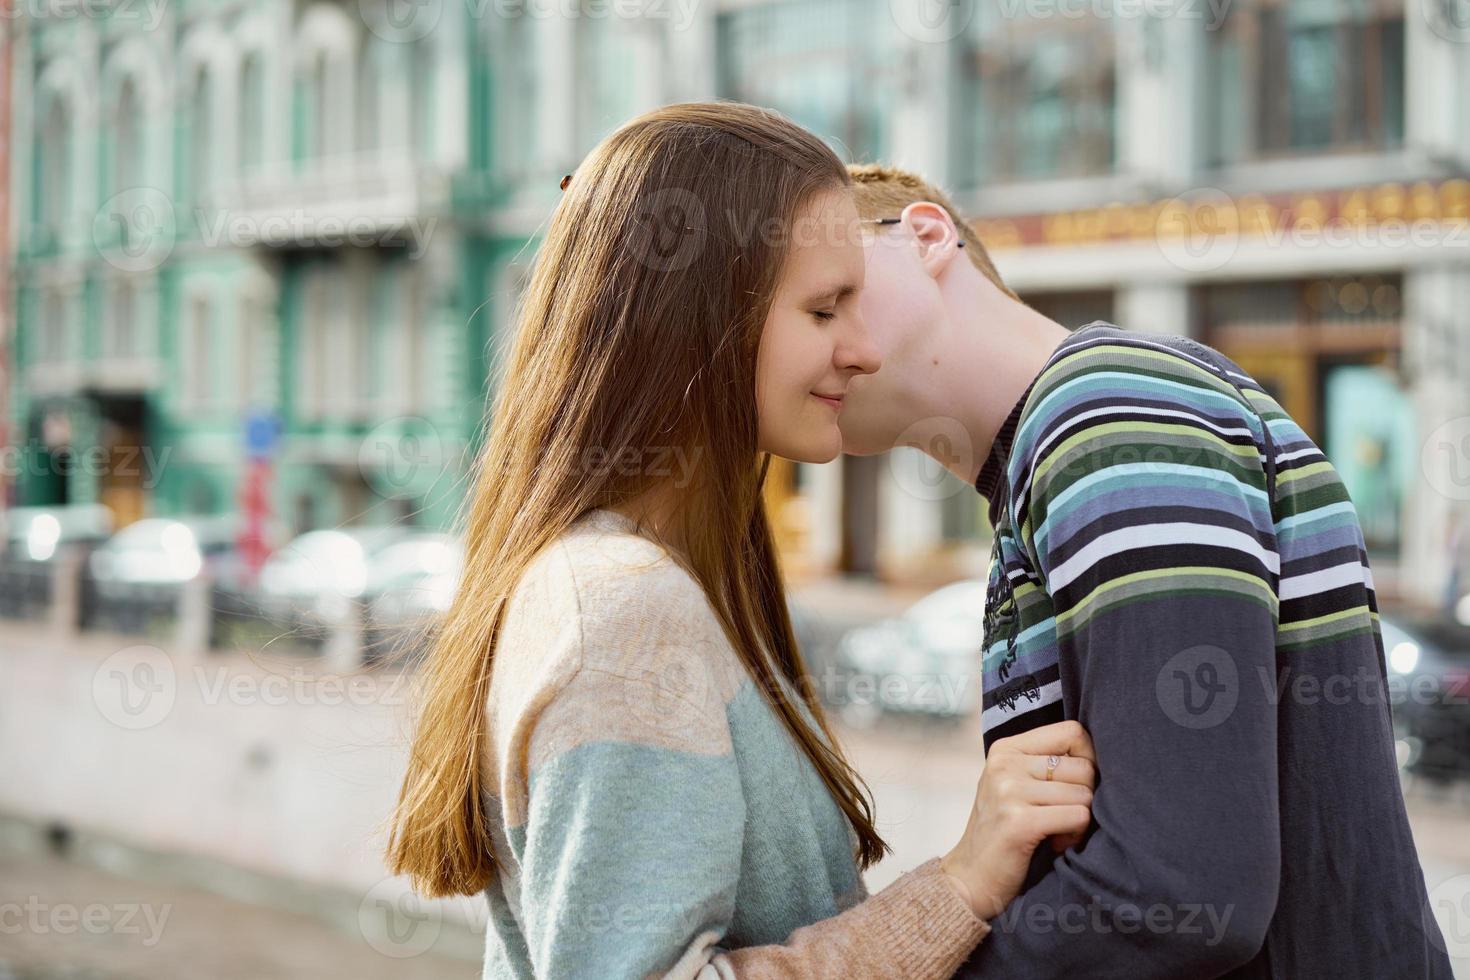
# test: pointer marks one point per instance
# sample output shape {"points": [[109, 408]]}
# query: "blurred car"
{"points": [[320, 572], [925, 661], [163, 551], [414, 578], [37, 534], [1428, 661]]}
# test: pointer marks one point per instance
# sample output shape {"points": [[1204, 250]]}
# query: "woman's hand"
{"points": [[1017, 807]]}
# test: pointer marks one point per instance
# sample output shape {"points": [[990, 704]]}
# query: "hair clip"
{"points": [[565, 181]]}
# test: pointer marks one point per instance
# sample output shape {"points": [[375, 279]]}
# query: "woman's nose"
{"points": [[856, 352]]}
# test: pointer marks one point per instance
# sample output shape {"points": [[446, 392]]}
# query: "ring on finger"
{"points": [[1051, 766]]}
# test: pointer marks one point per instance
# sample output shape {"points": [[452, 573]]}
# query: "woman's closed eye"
{"points": [[824, 315]]}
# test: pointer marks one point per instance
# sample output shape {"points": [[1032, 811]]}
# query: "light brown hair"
{"points": [[637, 334], [883, 192]]}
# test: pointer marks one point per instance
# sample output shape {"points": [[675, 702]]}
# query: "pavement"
{"points": [[164, 818]]}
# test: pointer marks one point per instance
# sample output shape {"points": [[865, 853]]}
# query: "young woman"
{"points": [[620, 745]]}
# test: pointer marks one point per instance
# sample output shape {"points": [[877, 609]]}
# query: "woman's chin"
{"points": [[817, 447]]}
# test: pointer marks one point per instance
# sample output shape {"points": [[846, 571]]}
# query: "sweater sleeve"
{"points": [[1152, 532], [634, 829]]}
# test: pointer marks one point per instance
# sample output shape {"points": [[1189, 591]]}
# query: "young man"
{"points": [[1179, 568]]}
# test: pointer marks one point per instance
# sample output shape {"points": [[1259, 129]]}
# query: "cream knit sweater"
{"points": [[652, 816]]}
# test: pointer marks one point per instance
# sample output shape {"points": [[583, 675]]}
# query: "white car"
{"points": [[925, 661]]}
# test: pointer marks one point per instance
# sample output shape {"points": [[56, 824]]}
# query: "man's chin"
{"points": [[855, 445]]}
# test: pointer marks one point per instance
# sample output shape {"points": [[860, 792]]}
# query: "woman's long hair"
{"points": [[636, 342]]}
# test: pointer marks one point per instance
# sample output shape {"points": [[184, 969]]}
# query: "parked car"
{"points": [[1428, 660], [923, 662], [318, 573], [37, 534], [163, 551], [414, 579]]}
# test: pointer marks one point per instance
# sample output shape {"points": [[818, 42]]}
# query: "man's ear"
{"points": [[934, 234]]}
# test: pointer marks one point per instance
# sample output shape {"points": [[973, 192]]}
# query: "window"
{"points": [[121, 321], [422, 82], [127, 146], [1307, 76], [197, 383], [256, 349], [604, 96], [252, 114], [201, 138], [513, 94], [371, 73], [52, 346], [312, 343], [824, 63], [53, 165], [1037, 97], [312, 109]]}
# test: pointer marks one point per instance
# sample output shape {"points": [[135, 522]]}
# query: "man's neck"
{"points": [[998, 353]]}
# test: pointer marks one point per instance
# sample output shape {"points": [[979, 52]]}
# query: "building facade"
{"points": [[1283, 180], [298, 229]]}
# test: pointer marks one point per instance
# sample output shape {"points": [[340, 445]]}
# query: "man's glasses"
{"points": [[894, 221]]}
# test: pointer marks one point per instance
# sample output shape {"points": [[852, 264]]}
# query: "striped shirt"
{"points": [[1178, 566]]}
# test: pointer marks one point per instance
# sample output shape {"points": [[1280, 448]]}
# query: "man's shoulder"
{"points": [[1103, 375]]}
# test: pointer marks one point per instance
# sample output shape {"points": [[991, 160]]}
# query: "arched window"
{"points": [[252, 114], [201, 136], [127, 142], [52, 200]]}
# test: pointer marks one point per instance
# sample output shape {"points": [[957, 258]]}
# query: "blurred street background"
{"points": [[258, 263]]}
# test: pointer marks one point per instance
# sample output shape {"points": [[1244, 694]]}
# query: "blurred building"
{"points": [[297, 229], [1283, 180], [7, 437]]}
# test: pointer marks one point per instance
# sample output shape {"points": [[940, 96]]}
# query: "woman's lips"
{"points": [[835, 401]]}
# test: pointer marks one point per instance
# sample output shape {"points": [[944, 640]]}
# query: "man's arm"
{"points": [[1154, 538]]}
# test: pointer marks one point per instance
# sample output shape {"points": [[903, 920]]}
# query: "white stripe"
{"points": [[1157, 535], [1297, 586], [1288, 457], [1066, 428], [998, 714]]}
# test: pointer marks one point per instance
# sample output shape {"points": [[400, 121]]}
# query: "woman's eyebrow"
{"points": [[836, 292]]}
